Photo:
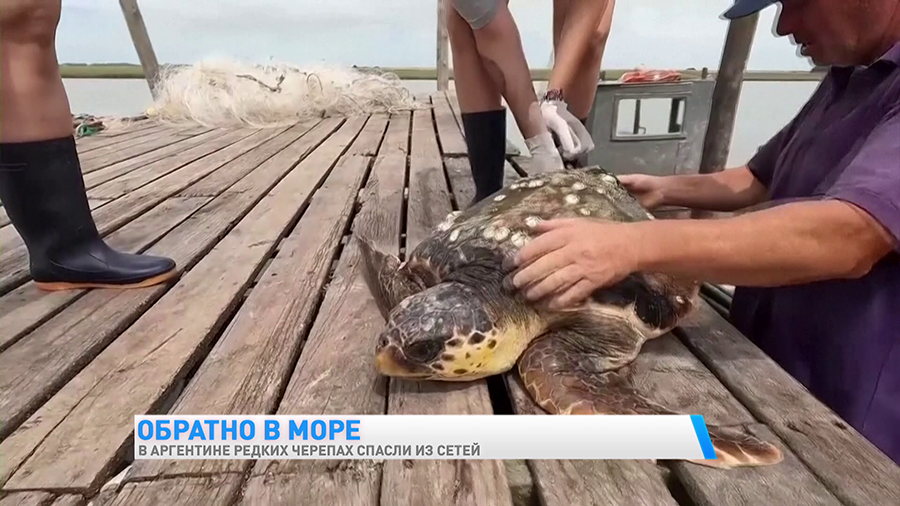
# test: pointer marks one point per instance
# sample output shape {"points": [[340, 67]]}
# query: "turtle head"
{"points": [[447, 332]]}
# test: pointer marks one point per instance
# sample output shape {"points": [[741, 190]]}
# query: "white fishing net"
{"points": [[222, 92]]}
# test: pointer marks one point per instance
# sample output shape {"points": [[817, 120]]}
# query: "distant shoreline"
{"points": [[128, 71]]}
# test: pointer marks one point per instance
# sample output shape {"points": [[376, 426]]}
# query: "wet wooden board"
{"points": [[455, 482], [850, 466], [334, 373]]}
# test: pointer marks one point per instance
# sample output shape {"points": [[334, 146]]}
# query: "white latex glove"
{"points": [[574, 138], [544, 155]]}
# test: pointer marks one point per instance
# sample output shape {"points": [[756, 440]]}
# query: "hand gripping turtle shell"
{"points": [[450, 318]]}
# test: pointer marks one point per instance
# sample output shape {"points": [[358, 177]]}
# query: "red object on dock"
{"points": [[650, 76]]}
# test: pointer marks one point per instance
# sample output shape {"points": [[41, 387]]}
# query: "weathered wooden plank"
{"points": [[68, 500], [188, 491], [852, 468], [151, 137], [120, 211], [115, 170], [138, 177], [565, 482], [26, 307], [429, 200], [109, 138], [185, 244], [459, 172], [450, 136], [253, 359], [134, 20], [39, 363], [672, 376], [789, 482], [27, 499], [669, 374], [107, 156], [334, 373], [438, 481]]}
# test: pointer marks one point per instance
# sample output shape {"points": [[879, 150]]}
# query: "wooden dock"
{"points": [[270, 315]]}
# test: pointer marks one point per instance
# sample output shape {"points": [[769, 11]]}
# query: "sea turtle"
{"points": [[451, 317]]}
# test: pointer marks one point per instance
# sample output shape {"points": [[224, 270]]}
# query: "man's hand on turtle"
{"points": [[571, 258], [646, 188]]}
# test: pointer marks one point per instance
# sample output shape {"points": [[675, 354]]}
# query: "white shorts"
{"points": [[477, 13]]}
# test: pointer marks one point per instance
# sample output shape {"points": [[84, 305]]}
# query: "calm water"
{"points": [[764, 107]]}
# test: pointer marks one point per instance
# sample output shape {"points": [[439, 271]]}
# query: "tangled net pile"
{"points": [[219, 93]]}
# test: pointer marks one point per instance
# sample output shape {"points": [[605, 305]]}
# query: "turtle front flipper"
{"points": [[563, 378], [389, 280]]}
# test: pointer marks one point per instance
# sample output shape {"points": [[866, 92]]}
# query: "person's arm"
{"points": [[789, 244], [843, 235], [728, 190]]}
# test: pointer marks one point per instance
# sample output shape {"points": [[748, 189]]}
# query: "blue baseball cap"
{"points": [[743, 8]]}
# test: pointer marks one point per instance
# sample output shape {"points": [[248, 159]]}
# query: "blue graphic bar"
{"points": [[703, 437]]}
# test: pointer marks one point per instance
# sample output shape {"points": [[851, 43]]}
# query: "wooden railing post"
{"points": [[443, 48], [141, 40], [726, 96]]}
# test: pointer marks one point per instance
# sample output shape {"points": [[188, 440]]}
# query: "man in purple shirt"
{"points": [[818, 267]]}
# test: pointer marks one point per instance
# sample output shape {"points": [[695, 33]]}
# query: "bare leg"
{"points": [[481, 109], [580, 32], [499, 47], [476, 88], [41, 184], [32, 97]]}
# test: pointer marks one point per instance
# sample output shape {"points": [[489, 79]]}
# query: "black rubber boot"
{"points": [[486, 143], [42, 190]]}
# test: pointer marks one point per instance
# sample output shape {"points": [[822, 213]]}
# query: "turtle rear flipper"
{"points": [[388, 279], [563, 378]]}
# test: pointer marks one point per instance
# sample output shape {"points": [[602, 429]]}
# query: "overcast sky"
{"points": [[678, 33]]}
